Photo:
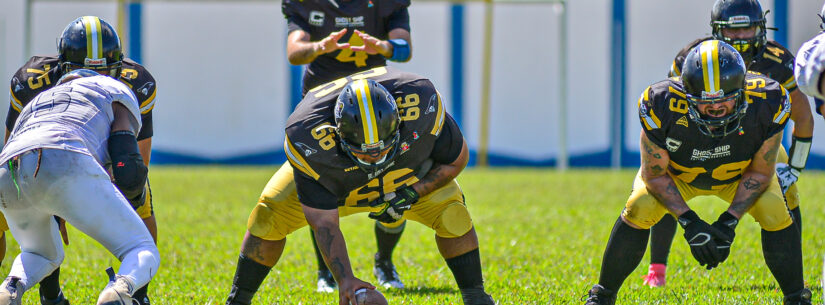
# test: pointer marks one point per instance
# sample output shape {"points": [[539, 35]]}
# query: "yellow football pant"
{"points": [[278, 211]]}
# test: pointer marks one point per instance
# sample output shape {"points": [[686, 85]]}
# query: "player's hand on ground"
{"points": [[727, 225], [330, 43], [701, 237], [394, 204], [347, 288], [372, 45], [786, 176]]}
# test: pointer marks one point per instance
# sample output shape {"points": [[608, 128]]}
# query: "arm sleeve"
{"points": [[400, 19], [294, 21], [448, 144], [312, 194], [651, 124], [146, 128]]}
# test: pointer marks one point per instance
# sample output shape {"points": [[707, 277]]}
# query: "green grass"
{"points": [[542, 235]]}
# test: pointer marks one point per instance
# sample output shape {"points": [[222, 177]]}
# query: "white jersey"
{"points": [[75, 116], [810, 63]]}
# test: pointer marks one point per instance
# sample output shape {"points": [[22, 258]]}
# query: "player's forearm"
{"points": [[665, 190], [145, 149], [441, 174], [334, 250], [302, 52], [751, 186], [801, 115]]}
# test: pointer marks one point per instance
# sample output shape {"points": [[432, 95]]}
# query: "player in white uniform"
{"points": [[55, 163]]}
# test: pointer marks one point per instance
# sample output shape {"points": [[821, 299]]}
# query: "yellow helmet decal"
{"points": [[94, 37], [709, 51], [362, 93]]}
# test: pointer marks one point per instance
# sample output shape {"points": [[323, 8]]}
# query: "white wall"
{"points": [[223, 77]]}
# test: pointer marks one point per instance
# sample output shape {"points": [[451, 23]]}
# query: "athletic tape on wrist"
{"points": [[800, 148], [400, 50]]}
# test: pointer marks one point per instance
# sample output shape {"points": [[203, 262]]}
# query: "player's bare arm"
{"points": [[441, 174], [756, 177], [659, 183], [803, 119], [300, 50], [374, 45], [334, 250]]}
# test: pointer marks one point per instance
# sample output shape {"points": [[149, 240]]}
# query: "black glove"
{"points": [[726, 224], [394, 204], [700, 236]]}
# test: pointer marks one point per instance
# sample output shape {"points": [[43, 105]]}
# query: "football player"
{"points": [[741, 23], [714, 131], [809, 67], [336, 39], [377, 142], [54, 164], [90, 43]]}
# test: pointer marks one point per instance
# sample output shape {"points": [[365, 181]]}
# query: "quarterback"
{"points": [[377, 142], [90, 43], [714, 131], [741, 23]]}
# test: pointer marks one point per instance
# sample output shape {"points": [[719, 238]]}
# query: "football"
{"points": [[366, 296]]}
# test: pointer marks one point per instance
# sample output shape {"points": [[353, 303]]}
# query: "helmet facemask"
{"points": [[718, 126]]}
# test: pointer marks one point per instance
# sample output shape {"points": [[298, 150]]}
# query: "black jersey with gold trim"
{"points": [[775, 62], [319, 18], [312, 147], [42, 72], [700, 160]]}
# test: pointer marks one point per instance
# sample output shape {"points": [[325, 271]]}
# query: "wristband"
{"points": [[400, 50], [798, 155]]}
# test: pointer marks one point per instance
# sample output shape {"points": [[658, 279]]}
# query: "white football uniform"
{"points": [[810, 63], [54, 164]]}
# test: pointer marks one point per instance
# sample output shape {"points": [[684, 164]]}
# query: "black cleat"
{"points": [[326, 283], [386, 274], [60, 300], [598, 295], [802, 297], [476, 296]]}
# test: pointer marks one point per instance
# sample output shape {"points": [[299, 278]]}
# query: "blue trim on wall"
{"points": [[780, 10], [296, 79], [135, 12], [457, 62], [617, 82]]}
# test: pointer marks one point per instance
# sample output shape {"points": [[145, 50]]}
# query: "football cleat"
{"points": [[802, 297], [11, 291], [118, 291], [476, 296], [326, 283], [655, 275], [598, 295], [386, 274], [60, 300]]}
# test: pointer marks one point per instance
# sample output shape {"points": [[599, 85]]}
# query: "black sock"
{"points": [[624, 252], [661, 238], [466, 269], [322, 266], [248, 278], [140, 294], [797, 218], [386, 239], [783, 255], [50, 285]]}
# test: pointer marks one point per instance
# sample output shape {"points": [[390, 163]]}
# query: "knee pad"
{"points": [[454, 221]]}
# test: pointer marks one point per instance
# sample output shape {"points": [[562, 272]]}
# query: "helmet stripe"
{"points": [[94, 39], [362, 91], [709, 50]]}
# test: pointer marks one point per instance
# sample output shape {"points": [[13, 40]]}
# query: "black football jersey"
{"points": [[700, 160], [42, 72], [319, 18], [775, 62], [320, 165]]}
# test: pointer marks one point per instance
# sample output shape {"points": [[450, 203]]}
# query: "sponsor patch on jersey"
{"points": [[682, 121], [316, 18], [146, 88], [717, 152], [349, 22], [672, 144], [305, 149]]}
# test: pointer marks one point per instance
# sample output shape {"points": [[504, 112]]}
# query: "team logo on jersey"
{"points": [[404, 147], [717, 152], [16, 84], [682, 121], [305, 148], [415, 135], [349, 22], [316, 18], [369, 3], [672, 144], [146, 88], [431, 105]]}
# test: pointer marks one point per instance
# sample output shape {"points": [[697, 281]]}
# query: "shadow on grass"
{"points": [[422, 290]]}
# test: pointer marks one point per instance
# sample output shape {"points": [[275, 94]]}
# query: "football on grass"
{"points": [[366, 296]]}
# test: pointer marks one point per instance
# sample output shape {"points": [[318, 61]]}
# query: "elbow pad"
{"points": [[128, 169]]}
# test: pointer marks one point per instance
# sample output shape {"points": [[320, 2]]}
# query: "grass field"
{"points": [[542, 234]]}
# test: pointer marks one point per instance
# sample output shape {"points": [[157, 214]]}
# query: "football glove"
{"points": [[700, 236], [787, 175], [394, 204], [727, 225]]}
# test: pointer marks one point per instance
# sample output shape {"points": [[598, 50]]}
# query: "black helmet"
{"points": [[367, 122], [90, 43], [714, 72], [740, 14]]}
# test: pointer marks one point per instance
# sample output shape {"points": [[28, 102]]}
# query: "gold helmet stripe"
{"points": [[362, 92], [94, 38], [709, 50]]}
